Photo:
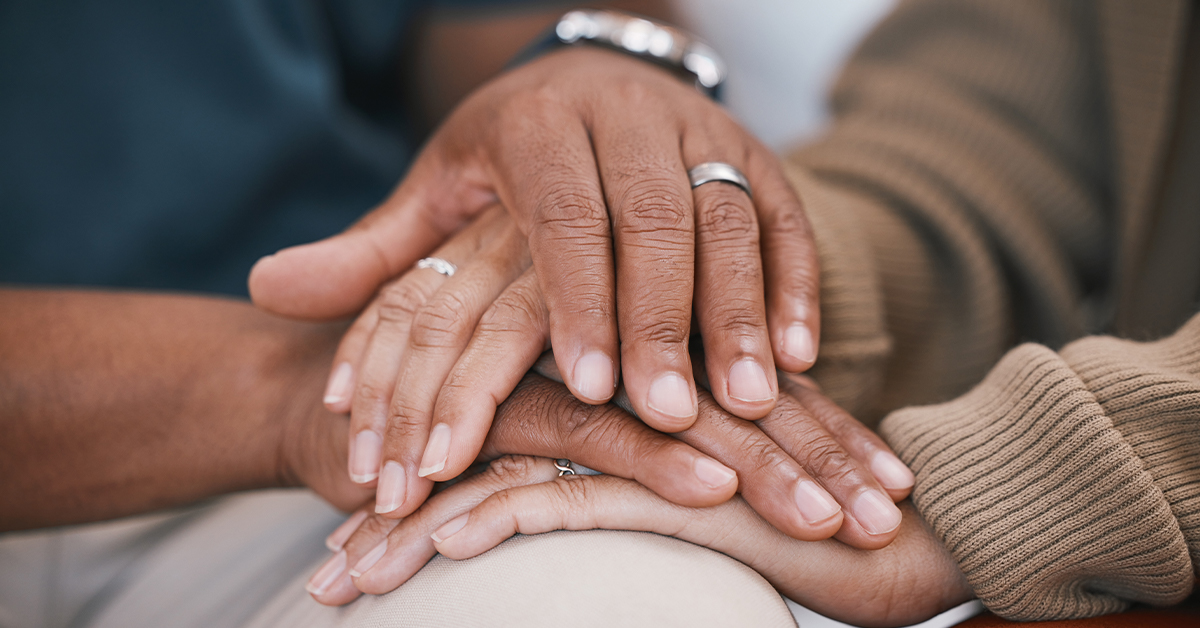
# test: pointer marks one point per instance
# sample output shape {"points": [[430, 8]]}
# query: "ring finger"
{"points": [[379, 365]]}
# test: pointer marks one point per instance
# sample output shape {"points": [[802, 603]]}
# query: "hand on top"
{"points": [[589, 151]]}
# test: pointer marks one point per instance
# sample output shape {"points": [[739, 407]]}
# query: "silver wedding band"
{"points": [[437, 265], [718, 171]]}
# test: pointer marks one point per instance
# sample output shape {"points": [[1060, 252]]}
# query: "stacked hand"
{"points": [[589, 151], [910, 579], [602, 239]]}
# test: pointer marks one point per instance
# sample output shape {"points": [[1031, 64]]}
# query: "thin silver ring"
{"points": [[718, 171], [564, 467], [437, 265]]}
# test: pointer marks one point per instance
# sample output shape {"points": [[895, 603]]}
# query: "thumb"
{"points": [[335, 277]]}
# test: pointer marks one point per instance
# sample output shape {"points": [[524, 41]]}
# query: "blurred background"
{"points": [[782, 55]]}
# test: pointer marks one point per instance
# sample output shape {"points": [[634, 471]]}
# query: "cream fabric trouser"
{"points": [[244, 560]]}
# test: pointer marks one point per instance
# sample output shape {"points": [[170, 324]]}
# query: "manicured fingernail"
{"points": [[671, 395], [368, 561], [814, 504], [748, 382], [338, 537], [436, 451], [327, 574], [876, 513], [365, 450], [450, 528], [890, 472], [712, 473], [593, 376], [338, 389], [798, 343], [392, 487]]}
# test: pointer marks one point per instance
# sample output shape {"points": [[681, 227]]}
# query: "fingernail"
{"points": [[748, 381], [798, 343], [327, 574], [876, 513], [814, 504], [593, 376], [450, 528], [890, 472], [338, 537], [365, 451], [712, 473], [392, 487], [671, 395], [436, 451], [338, 389], [367, 562]]}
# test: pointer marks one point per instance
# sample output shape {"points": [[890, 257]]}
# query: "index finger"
{"points": [[540, 418]]}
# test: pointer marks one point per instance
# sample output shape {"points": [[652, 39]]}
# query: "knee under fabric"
{"points": [[249, 556], [560, 579]]}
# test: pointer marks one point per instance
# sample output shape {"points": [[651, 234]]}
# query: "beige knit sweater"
{"points": [[994, 176]]}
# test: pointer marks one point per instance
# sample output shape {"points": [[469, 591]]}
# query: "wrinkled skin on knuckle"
{"points": [[515, 312], [825, 459], [763, 457], [375, 527], [511, 470], [368, 393], [661, 325], [525, 420], [442, 323], [568, 214], [736, 318], [403, 425], [573, 493], [399, 302], [599, 430], [725, 218], [654, 208]]}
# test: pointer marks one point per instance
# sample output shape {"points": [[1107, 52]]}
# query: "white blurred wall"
{"points": [[782, 55]]}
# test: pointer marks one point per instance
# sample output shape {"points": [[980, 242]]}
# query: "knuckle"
{"points": [[400, 301], [662, 327], [567, 212], [442, 323], [788, 220], [737, 319], [636, 94], [529, 108], [763, 456], [404, 426], [572, 492], [518, 311], [512, 470], [826, 460], [653, 206], [725, 217], [370, 392], [374, 526]]}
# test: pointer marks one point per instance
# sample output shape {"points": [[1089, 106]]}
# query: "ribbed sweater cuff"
{"points": [[1042, 501]]}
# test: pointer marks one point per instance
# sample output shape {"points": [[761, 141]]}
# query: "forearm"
{"points": [[963, 167], [112, 404], [1064, 484]]}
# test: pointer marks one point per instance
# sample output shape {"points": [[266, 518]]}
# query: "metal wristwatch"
{"points": [[645, 39]]}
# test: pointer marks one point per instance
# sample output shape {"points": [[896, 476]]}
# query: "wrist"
{"points": [[635, 37], [311, 441]]}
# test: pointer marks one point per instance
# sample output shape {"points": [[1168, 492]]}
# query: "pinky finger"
{"points": [[340, 387]]}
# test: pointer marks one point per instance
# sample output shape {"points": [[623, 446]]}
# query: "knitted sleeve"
{"points": [[1067, 484]]}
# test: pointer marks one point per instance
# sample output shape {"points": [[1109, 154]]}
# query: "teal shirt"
{"points": [[157, 145]]}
